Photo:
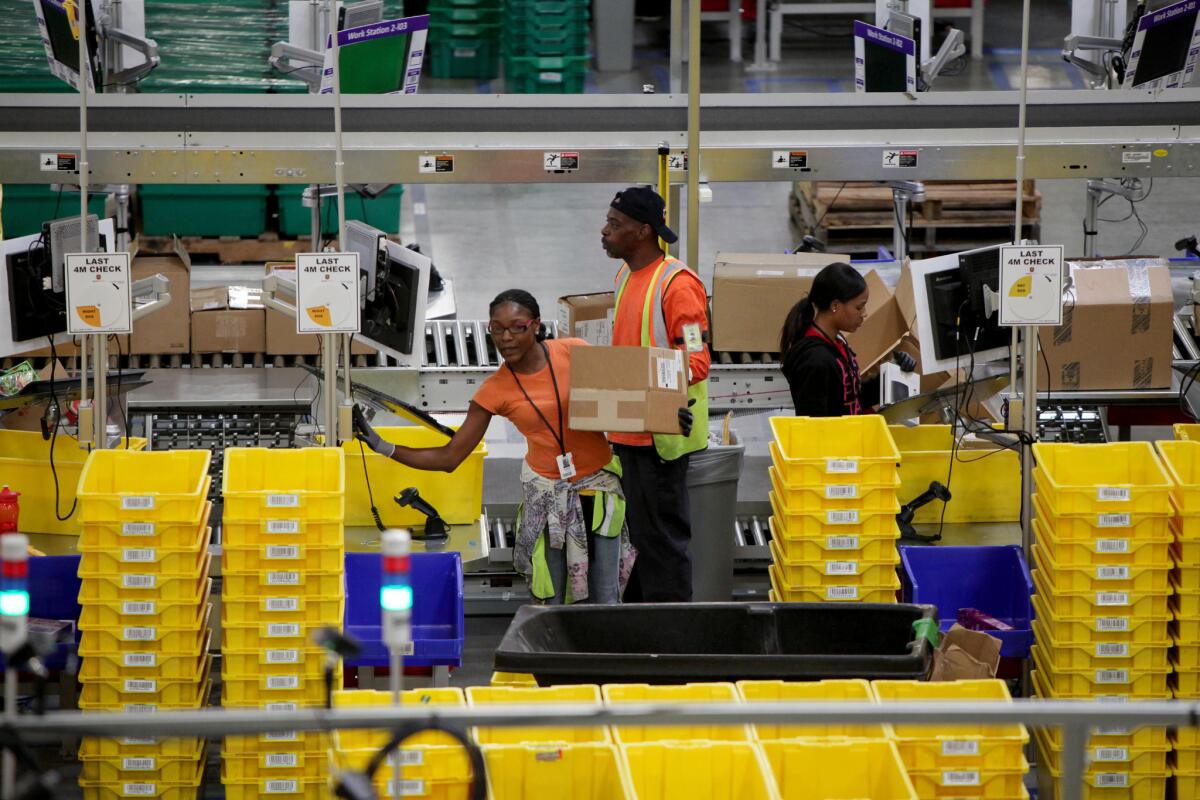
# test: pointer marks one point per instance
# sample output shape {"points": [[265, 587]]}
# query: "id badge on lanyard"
{"points": [[566, 466]]}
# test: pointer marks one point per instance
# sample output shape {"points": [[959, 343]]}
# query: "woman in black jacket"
{"points": [[818, 363]]}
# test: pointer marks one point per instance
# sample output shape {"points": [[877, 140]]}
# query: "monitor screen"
{"points": [[1165, 46], [378, 58], [883, 61], [61, 40]]}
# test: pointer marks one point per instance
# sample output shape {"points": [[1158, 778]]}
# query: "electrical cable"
{"points": [[900, 225], [370, 495], [118, 394], [474, 755], [829, 207], [54, 437]]}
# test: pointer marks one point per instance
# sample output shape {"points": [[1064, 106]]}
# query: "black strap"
{"points": [[560, 436]]}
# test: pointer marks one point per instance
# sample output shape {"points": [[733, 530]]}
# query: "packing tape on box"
{"points": [[1139, 290]]}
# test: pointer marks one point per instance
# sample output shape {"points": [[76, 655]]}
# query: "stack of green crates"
{"points": [[546, 46], [464, 38]]}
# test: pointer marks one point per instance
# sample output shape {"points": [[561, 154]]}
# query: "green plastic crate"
{"points": [[542, 7], [470, 16], [295, 220], [226, 209], [545, 75], [27, 205], [468, 57]]}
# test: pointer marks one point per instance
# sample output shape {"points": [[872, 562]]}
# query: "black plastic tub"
{"points": [[685, 642]]}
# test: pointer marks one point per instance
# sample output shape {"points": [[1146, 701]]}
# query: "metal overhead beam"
{"points": [[214, 138]]}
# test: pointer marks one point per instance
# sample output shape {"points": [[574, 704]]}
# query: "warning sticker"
{"points": [[560, 162], [789, 159], [57, 162], [427, 165], [900, 159]]}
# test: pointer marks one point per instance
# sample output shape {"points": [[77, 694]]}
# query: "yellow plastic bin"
{"points": [[303, 484], [135, 746], [266, 558], [1099, 655], [162, 693], [1112, 547], [1136, 683], [25, 468], [130, 663], [815, 451], [148, 639], [283, 788], [835, 546], [987, 482], [1117, 625], [838, 770], [103, 768], [1182, 461], [365, 740], [833, 496], [698, 771], [284, 531], [618, 693], [1141, 605], [1186, 431], [117, 535], [283, 583], [1119, 477], [819, 524], [576, 771], [582, 694], [1102, 578], [843, 571], [169, 486], [119, 613], [458, 496], [146, 787], [833, 691], [851, 593]]}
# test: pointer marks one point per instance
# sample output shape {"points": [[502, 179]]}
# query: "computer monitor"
{"points": [[35, 308], [59, 28], [394, 285], [1165, 48], [957, 311], [379, 58], [883, 61], [353, 15]]}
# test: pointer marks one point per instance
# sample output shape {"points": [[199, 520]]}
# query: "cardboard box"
{"points": [[229, 331], [588, 317], [627, 389], [752, 294], [210, 299], [883, 328], [282, 339], [965, 655], [167, 330], [1117, 330]]}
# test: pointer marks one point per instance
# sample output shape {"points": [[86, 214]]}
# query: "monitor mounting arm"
{"points": [[952, 48]]}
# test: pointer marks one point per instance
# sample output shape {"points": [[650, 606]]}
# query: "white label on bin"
{"points": [[283, 500], [951, 747], [1112, 598], [847, 492], [135, 741], [138, 555], [283, 656], [841, 466], [1110, 780], [139, 634], [1112, 573], [283, 681], [841, 567], [137, 529], [281, 787], [1112, 545], [137, 502], [1110, 754], [142, 607], [138, 581], [279, 629], [410, 758], [841, 542], [276, 707], [848, 517], [141, 659], [139, 764], [1112, 676], [841, 592], [140, 685], [281, 604], [283, 579], [1113, 521], [139, 789], [1112, 624], [281, 736], [281, 551], [281, 760], [1112, 730], [141, 708], [1112, 650], [408, 788], [283, 526], [1112, 494], [960, 777]]}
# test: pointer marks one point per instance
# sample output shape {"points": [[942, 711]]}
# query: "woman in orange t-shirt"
{"points": [[572, 542]]}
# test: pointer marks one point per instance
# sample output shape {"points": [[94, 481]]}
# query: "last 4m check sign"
{"points": [[1031, 285], [98, 293]]}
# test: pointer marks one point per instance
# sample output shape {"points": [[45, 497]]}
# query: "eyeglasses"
{"points": [[520, 329]]}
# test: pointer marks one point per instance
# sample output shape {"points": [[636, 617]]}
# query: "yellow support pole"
{"points": [[664, 185]]}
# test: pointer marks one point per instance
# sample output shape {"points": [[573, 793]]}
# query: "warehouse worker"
{"points": [[659, 303], [572, 543], [819, 365]]}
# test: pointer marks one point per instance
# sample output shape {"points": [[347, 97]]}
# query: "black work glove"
{"points": [[903, 360], [366, 434], [686, 418]]}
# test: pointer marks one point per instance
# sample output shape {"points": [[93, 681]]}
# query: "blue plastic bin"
{"points": [[54, 594], [437, 614], [994, 579]]}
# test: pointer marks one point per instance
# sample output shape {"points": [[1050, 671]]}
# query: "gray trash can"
{"points": [[612, 20], [712, 489]]}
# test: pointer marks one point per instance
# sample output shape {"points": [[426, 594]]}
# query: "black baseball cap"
{"points": [[642, 204]]}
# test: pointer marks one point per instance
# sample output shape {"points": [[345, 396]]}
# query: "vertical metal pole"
{"points": [[1090, 215], [84, 74], [396, 682], [1029, 333], [316, 217], [900, 202], [676, 55], [332, 342], [1074, 761], [8, 780], [693, 173], [101, 379]]}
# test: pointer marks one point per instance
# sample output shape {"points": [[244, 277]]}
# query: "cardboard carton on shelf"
{"points": [[228, 320], [168, 329], [587, 316], [627, 389]]}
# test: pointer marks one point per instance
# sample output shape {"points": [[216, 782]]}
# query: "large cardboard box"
{"points": [[228, 320], [1117, 330], [167, 330], [281, 336], [627, 389], [588, 317], [752, 294]]}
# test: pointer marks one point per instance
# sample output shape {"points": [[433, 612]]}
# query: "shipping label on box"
{"points": [[588, 317], [627, 389]]}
